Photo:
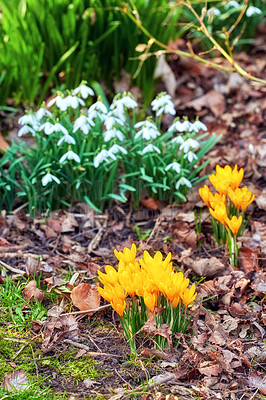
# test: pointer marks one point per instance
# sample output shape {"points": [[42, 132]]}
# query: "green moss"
{"points": [[78, 370]]}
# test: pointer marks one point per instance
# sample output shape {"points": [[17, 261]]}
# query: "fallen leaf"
{"points": [[15, 381], [164, 330], [164, 71], [3, 144], [85, 297], [4, 242], [257, 381], [150, 203], [209, 368], [213, 100], [248, 259], [54, 282], [31, 290], [208, 267]]}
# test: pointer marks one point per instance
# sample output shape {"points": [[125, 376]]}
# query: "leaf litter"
{"points": [[223, 356]]}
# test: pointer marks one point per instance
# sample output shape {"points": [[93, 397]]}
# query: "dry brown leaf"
{"points": [[248, 259], [209, 368], [209, 267], [85, 297], [164, 330], [31, 290], [150, 203], [15, 381], [54, 282], [213, 100], [4, 242], [257, 381], [259, 282]]}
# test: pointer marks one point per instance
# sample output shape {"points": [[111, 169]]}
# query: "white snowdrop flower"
{"points": [[189, 143], [213, 11], [84, 91], [111, 120], [84, 124], [42, 112], [178, 139], [26, 129], [148, 130], [57, 128], [116, 148], [197, 126], [191, 156], [150, 148], [125, 101], [251, 148], [98, 106], [175, 166], [163, 104], [113, 133], [67, 139], [58, 100], [180, 126], [70, 155], [46, 127], [73, 102], [232, 3], [253, 10], [104, 155], [27, 119], [49, 178], [183, 181]]}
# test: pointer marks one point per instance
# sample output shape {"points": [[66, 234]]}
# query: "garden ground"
{"points": [[223, 355]]}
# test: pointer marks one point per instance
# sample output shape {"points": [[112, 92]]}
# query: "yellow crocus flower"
{"points": [[241, 197], [119, 305], [111, 275], [150, 299], [205, 194], [225, 178], [219, 213], [128, 255], [234, 223], [189, 295]]}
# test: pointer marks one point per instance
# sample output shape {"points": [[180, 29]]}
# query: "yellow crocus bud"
{"points": [[234, 223], [150, 299], [236, 177], [110, 277], [219, 213], [119, 306], [189, 295], [204, 193], [128, 255]]}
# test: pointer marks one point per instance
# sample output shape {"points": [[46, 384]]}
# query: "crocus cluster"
{"points": [[148, 278], [227, 181]]}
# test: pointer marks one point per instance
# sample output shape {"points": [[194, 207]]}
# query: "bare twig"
{"points": [[87, 349], [12, 269]]}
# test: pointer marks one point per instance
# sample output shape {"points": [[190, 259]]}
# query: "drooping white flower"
{"points": [[163, 104], [150, 148], [112, 119], [213, 11], [175, 166], [251, 148], [26, 129], [197, 126], [232, 3], [252, 10], [113, 133], [84, 91], [104, 155], [42, 112], [189, 143], [27, 119], [116, 148], [191, 156], [180, 126], [49, 178], [183, 181], [178, 139], [46, 127], [70, 155], [84, 124], [64, 102], [148, 130], [67, 139], [125, 101], [57, 128], [98, 106]]}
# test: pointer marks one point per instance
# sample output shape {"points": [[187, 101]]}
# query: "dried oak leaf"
{"points": [[85, 297], [209, 368], [213, 100], [256, 381], [14, 381], [208, 267], [150, 203], [31, 290], [248, 259]]}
